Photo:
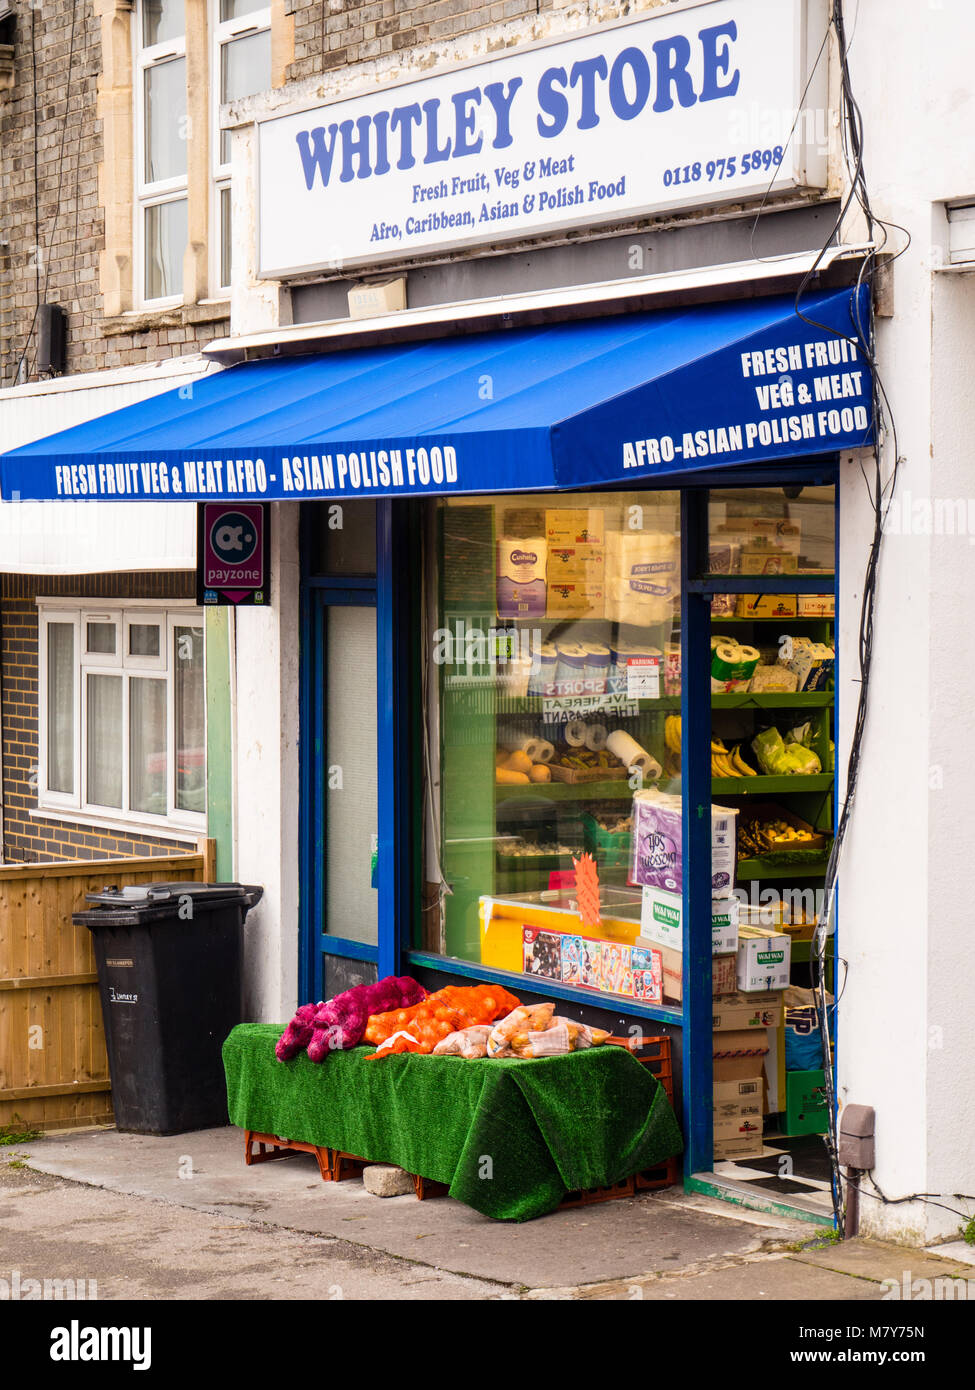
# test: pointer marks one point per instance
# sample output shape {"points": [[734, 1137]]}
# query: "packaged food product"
{"points": [[778, 759], [523, 1020], [773, 679], [549, 1042], [448, 1010], [466, 1042], [580, 1036]]}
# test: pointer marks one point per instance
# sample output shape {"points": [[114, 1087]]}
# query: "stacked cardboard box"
{"points": [[662, 924], [576, 564], [745, 1028], [738, 1060]]}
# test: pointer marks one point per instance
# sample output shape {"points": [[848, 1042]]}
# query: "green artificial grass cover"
{"points": [[509, 1137]]}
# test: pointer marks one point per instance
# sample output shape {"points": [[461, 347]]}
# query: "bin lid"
{"points": [[136, 901]]}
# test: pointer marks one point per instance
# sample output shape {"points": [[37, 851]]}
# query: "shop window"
{"points": [[342, 541], [241, 67], [553, 649], [781, 530], [554, 710], [122, 715], [162, 133]]}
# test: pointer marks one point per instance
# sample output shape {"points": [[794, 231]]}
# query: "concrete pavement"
{"points": [[184, 1218]]}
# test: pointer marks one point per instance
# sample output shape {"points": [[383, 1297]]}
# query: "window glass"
{"points": [[165, 233], [190, 719], [60, 707], [236, 9], [131, 717], [351, 898], [148, 783], [165, 120], [104, 728], [780, 530], [245, 68], [101, 638], [143, 639], [343, 539], [553, 645], [226, 237], [162, 20]]}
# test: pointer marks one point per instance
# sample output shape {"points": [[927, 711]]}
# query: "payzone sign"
{"points": [[231, 553], [703, 103]]}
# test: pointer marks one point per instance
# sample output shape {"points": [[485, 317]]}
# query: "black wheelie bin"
{"points": [[169, 974]]}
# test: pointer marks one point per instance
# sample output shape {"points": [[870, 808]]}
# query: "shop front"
{"points": [[498, 683], [568, 577]]}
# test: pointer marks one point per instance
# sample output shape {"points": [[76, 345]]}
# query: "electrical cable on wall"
{"points": [[863, 336]]}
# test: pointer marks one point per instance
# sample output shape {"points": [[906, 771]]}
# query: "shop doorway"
{"points": [[340, 798], [759, 616]]}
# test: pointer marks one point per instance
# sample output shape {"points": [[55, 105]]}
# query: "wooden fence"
{"points": [[53, 1063]]}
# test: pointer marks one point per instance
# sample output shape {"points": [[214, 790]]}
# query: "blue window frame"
{"points": [[392, 593]]}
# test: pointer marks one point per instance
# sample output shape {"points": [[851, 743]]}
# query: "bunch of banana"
{"points": [[672, 733], [727, 762]]}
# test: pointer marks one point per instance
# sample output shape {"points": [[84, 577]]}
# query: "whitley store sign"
{"points": [[693, 105]]}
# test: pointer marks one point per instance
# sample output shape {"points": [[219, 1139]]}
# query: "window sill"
{"points": [[164, 831], [166, 316]]}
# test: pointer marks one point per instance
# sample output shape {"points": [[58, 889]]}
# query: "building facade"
{"points": [[176, 244]]}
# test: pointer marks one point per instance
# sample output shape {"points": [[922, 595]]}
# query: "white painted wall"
{"points": [[266, 849], [907, 1027]]}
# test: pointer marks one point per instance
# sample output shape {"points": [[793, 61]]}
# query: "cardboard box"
{"points": [[732, 1150], [723, 973], [816, 605], [806, 1109], [734, 1012], [672, 971], [735, 1101], [575, 562], [574, 598], [766, 606], [767, 560], [739, 1055], [757, 532], [575, 526], [662, 921], [738, 1118], [764, 959]]}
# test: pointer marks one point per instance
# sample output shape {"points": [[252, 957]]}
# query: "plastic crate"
{"points": [[609, 849]]}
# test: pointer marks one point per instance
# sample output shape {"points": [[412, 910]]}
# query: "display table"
{"points": [[509, 1138]]}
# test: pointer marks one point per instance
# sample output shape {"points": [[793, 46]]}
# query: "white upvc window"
{"points": [[161, 136], [122, 713], [240, 66]]}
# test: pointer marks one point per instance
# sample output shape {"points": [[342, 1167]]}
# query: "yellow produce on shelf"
{"points": [[504, 776]]}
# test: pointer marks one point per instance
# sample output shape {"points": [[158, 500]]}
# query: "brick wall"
{"points": [[27, 839], [52, 250], [332, 33]]}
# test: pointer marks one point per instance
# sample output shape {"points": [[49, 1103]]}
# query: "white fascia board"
{"points": [[700, 284]]}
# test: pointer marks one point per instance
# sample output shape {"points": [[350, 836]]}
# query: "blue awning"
{"points": [[640, 398]]}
